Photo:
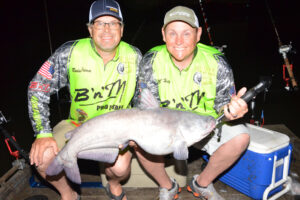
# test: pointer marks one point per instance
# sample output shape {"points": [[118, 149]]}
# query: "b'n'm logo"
{"points": [[197, 78], [121, 68]]}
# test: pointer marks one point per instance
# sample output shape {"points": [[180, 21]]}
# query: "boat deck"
{"points": [[24, 190]]}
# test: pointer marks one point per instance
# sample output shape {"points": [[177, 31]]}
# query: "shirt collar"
{"points": [[116, 57]]}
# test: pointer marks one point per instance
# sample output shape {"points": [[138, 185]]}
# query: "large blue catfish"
{"points": [[156, 130]]}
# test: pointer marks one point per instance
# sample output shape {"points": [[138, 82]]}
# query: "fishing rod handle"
{"points": [[291, 74], [250, 94]]}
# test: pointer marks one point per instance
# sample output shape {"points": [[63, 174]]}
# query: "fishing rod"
{"points": [[51, 51], [252, 105], [206, 24], [283, 50], [48, 27], [207, 27], [18, 164], [250, 94]]}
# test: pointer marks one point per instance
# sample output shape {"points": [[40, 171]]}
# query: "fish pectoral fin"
{"points": [[69, 134], [181, 151], [108, 155]]}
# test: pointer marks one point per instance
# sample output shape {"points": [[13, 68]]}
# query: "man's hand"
{"points": [[38, 148], [131, 144], [237, 107]]}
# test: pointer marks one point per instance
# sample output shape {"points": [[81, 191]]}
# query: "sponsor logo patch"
{"points": [[180, 13], [40, 87], [113, 9], [121, 68], [197, 78]]}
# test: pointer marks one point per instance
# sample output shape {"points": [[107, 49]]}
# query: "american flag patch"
{"points": [[143, 85], [46, 70]]}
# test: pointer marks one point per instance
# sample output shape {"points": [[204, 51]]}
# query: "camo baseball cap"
{"points": [[105, 7], [181, 13]]}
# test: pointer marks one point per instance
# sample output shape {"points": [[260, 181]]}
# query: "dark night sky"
{"points": [[244, 26]]}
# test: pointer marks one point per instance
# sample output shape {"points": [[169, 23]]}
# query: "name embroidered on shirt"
{"points": [[81, 70]]}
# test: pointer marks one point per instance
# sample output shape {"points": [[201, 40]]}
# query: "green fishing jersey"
{"points": [[97, 88], [203, 87], [94, 88]]}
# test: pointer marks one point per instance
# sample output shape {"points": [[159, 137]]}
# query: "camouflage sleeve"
{"points": [[52, 76], [146, 78], [225, 83], [138, 62]]}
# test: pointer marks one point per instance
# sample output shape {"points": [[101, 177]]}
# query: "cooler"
{"points": [[262, 171]]}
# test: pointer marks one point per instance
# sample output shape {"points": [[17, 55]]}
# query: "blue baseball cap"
{"points": [[105, 7]]}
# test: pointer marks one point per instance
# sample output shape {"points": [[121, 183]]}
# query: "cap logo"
{"points": [[180, 13], [113, 9]]}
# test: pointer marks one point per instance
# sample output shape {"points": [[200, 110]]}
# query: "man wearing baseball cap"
{"points": [[186, 75], [94, 69]]}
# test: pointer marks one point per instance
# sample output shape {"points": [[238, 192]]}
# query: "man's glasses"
{"points": [[112, 25]]}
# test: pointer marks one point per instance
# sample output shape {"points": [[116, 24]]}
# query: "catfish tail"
{"points": [[73, 173], [72, 170]]}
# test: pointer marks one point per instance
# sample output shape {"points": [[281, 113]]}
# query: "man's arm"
{"points": [[48, 80], [52, 76], [226, 99], [146, 78], [138, 62]]}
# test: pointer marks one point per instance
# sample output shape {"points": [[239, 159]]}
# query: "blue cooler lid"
{"points": [[263, 140]]}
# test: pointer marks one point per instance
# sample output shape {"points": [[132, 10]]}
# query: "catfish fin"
{"points": [[181, 151], [71, 169], [148, 101], [108, 155], [69, 134], [73, 173]]}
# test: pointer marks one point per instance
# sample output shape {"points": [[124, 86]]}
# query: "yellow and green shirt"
{"points": [[94, 88], [203, 87]]}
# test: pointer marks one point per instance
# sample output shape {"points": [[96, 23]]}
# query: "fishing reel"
{"points": [[285, 49], [287, 66], [2, 118], [221, 48]]}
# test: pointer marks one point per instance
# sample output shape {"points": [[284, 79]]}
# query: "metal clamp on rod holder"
{"points": [[12, 140]]}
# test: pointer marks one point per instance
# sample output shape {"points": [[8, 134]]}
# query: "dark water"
{"points": [[244, 26]]}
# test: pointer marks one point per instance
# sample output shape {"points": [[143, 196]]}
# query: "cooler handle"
{"points": [[285, 178]]}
